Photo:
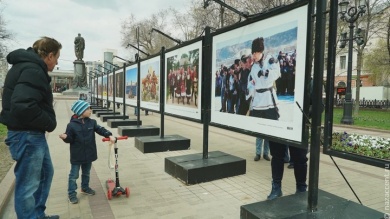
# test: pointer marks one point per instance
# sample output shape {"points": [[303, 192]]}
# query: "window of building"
{"points": [[343, 62]]}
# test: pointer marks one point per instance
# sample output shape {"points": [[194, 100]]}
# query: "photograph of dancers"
{"points": [[182, 81]]}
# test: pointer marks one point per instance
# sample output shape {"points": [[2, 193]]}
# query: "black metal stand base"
{"points": [[296, 207], [193, 169], [104, 113], [115, 123], [152, 144], [104, 118], [94, 111], [96, 107], [133, 131]]}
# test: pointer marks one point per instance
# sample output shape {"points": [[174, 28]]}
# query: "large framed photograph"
{"points": [[119, 89], [259, 75], [105, 87], [150, 84], [110, 86], [183, 77], [131, 85]]}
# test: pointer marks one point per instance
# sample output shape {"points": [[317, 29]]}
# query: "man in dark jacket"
{"points": [[28, 113]]}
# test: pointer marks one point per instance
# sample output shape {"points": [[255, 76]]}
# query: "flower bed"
{"points": [[375, 147]]}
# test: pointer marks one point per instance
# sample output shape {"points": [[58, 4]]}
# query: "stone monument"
{"points": [[79, 83]]}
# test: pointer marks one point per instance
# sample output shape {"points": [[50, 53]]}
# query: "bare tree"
{"points": [[5, 35], [371, 24], [148, 42], [378, 59]]}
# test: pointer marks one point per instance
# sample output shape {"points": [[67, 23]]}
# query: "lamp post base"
{"points": [[347, 114]]}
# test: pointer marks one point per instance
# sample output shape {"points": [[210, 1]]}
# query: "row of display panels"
{"points": [[237, 90]]}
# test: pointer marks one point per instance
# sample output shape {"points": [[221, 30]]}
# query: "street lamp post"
{"points": [[112, 64], [350, 15], [102, 74], [104, 67], [166, 35], [222, 3], [145, 53]]}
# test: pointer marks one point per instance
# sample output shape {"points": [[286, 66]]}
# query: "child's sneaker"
{"points": [[73, 199], [88, 191]]}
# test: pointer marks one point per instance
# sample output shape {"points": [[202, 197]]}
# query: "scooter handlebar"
{"points": [[117, 138]]}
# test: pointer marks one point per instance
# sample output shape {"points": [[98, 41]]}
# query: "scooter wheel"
{"points": [[109, 194], [127, 190]]}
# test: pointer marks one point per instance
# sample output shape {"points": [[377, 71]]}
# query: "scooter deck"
{"points": [[112, 190]]}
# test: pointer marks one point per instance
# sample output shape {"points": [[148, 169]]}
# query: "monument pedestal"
{"points": [[79, 83]]}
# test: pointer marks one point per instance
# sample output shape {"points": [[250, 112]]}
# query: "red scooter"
{"points": [[113, 187]]}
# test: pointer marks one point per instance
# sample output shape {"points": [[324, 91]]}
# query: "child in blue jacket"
{"points": [[80, 133]]}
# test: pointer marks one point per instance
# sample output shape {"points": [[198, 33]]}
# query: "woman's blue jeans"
{"points": [[74, 175], [33, 172]]}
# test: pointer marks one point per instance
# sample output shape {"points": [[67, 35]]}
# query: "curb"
{"points": [[7, 186], [362, 128]]}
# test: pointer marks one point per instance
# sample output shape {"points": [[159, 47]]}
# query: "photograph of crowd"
{"points": [[110, 85], [259, 72], [95, 85], [131, 86], [119, 84], [150, 83], [104, 86], [259, 79], [182, 81]]}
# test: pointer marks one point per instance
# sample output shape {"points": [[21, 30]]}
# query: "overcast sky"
{"points": [[98, 21]]}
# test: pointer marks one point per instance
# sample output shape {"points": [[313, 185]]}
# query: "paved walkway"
{"points": [[155, 194]]}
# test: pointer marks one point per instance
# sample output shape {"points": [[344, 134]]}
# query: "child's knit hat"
{"points": [[79, 107]]}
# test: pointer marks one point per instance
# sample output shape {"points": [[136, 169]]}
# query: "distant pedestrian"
{"points": [[259, 149], [80, 133]]}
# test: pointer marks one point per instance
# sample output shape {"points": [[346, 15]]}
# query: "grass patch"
{"points": [[369, 118], [6, 160], [3, 131]]}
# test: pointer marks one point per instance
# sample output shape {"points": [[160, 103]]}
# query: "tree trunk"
{"points": [[359, 64]]}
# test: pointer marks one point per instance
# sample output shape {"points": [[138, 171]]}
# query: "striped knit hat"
{"points": [[79, 107]]}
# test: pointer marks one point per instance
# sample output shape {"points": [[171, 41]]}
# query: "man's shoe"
{"points": [[266, 157], [73, 199], [257, 157], [290, 166], [50, 217], [301, 188], [276, 191], [88, 191]]}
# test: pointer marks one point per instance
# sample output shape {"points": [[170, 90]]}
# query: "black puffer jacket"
{"points": [[81, 136], [27, 95]]}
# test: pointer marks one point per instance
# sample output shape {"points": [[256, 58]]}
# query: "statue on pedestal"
{"points": [[80, 76], [79, 46]]}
